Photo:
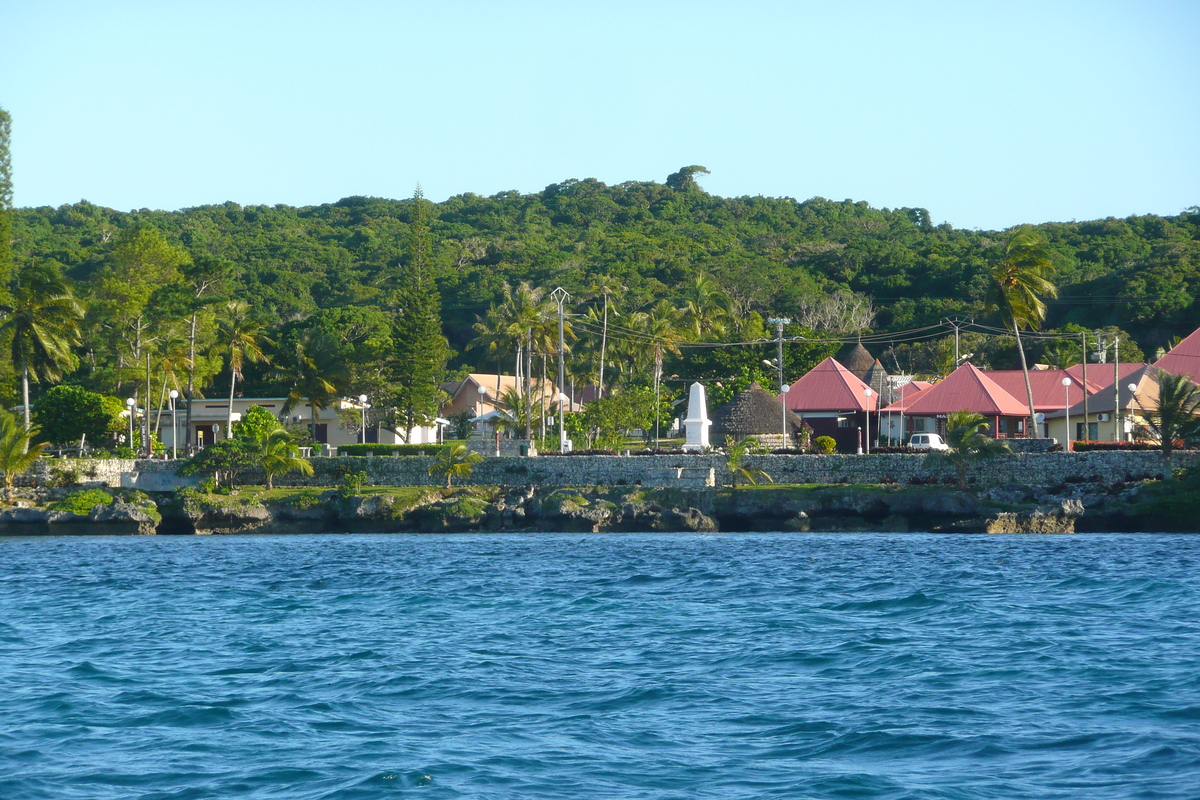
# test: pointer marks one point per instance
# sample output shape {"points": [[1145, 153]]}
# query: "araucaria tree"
{"points": [[420, 353], [6, 197], [1019, 282], [42, 325]]}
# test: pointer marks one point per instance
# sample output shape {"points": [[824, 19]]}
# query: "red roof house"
{"points": [[1184, 358], [1048, 391], [834, 402], [967, 389]]}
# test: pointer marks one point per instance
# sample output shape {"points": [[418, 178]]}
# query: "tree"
{"points": [[225, 459], [684, 180], [6, 198], [735, 459], [661, 329], [240, 336], [1176, 419], [969, 442], [65, 413], [43, 323], [1019, 281], [279, 455], [709, 309], [419, 359], [604, 287], [455, 461], [256, 423], [319, 373], [19, 449]]}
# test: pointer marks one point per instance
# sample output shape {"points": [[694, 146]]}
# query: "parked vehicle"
{"points": [[927, 441]]}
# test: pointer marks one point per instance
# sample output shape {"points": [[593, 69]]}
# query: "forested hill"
{"points": [[772, 255]]}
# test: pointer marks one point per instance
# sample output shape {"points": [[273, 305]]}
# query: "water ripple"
{"points": [[600, 666]]}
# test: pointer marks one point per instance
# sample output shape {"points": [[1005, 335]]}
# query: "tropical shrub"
{"points": [[456, 462], [825, 445], [19, 448], [66, 413], [81, 503], [256, 423]]}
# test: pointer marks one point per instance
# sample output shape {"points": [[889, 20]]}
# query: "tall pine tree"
{"points": [[6, 201], [421, 351]]}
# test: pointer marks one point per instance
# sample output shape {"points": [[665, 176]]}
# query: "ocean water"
{"points": [[600, 666]]}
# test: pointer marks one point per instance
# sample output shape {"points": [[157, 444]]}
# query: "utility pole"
{"points": [[1117, 388], [1083, 339], [560, 296], [779, 322], [957, 322]]}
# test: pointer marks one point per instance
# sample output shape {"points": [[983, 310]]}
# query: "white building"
{"points": [[334, 425]]}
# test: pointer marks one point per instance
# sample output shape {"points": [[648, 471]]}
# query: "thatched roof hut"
{"points": [[857, 359], [753, 412]]}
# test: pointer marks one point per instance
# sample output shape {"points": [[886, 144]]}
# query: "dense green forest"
{"points": [[339, 281]]}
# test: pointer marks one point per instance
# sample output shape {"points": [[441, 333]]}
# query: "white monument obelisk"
{"points": [[696, 423]]}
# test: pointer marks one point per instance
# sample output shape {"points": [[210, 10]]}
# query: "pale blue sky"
{"points": [[987, 114]]}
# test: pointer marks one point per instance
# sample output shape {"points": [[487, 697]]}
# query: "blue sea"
{"points": [[600, 666]]}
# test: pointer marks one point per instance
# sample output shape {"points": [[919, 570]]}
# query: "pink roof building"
{"points": [[1101, 375], [967, 389], [1048, 391], [830, 387], [1184, 358]]}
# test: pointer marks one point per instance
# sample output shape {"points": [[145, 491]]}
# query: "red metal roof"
{"points": [[829, 387], [966, 389], [1048, 391], [908, 395], [1101, 375], [1184, 358]]}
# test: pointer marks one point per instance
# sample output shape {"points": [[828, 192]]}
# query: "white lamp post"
{"points": [[867, 392], [562, 428], [174, 395], [1066, 382], [1133, 396], [783, 390], [129, 404], [479, 412], [362, 402]]}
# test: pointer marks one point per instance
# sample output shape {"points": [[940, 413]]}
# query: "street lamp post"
{"points": [[129, 404], [1132, 387], [779, 322], [479, 411], [560, 296], [174, 395], [362, 402], [783, 390], [1066, 382], [867, 392]]}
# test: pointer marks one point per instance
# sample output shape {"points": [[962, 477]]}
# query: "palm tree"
{"points": [[319, 374], [604, 286], [240, 336], [43, 323], [280, 455], [18, 450], [174, 356], [709, 310], [1177, 417], [661, 328], [1019, 281], [735, 459], [455, 462], [969, 442]]}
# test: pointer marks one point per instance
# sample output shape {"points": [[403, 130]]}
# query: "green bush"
{"points": [[67, 412], [352, 484], [390, 449], [81, 503], [825, 445]]}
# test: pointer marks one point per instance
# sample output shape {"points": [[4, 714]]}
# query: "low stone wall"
{"points": [[667, 471]]}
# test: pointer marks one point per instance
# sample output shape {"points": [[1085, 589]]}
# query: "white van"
{"points": [[927, 441]]}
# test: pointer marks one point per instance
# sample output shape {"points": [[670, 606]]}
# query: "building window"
{"points": [[845, 422], [321, 434]]}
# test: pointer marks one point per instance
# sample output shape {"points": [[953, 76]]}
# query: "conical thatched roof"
{"points": [[877, 379], [858, 360], [752, 412]]}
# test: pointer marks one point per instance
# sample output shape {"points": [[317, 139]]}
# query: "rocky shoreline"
{"points": [[1073, 508]]}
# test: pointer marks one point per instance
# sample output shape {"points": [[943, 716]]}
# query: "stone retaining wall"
{"points": [[1038, 469]]}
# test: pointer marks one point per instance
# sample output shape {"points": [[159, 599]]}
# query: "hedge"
{"points": [[390, 449], [1083, 446]]}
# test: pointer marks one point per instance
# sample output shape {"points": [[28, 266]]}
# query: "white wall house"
{"points": [[334, 425]]}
